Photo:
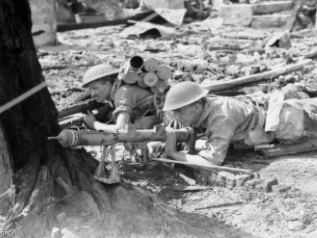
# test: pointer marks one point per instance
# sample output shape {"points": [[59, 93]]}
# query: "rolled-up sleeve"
{"points": [[219, 136], [220, 127], [123, 101]]}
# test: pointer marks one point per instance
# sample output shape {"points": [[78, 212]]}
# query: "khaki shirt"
{"points": [[134, 100], [224, 120]]}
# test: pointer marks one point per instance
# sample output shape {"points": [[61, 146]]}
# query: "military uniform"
{"points": [[138, 103], [229, 120]]}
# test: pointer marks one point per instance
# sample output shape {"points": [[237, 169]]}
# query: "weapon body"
{"points": [[72, 138]]}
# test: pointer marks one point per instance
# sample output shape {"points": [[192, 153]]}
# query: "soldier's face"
{"points": [[187, 115], [100, 91]]}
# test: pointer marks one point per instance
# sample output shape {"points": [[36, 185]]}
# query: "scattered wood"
{"points": [[243, 36], [311, 54], [226, 204], [257, 77], [188, 180], [63, 66], [204, 166], [191, 188]]}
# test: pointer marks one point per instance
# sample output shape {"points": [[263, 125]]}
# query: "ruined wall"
{"points": [[43, 18], [110, 8]]}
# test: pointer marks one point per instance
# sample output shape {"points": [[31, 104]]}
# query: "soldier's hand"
{"points": [[170, 144], [89, 120]]}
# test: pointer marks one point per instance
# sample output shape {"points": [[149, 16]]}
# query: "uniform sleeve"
{"points": [[219, 132], [123, 101]]}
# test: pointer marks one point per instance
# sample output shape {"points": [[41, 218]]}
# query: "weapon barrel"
{"points": [[72, 138], [79, 107]]}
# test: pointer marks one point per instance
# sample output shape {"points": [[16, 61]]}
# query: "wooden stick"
{"points": [[256, 77], [204, 166], [22, 97]]}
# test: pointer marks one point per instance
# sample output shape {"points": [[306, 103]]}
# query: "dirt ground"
{"points": [[290, 209]]}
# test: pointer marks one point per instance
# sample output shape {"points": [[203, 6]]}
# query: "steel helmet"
{"points": [[183, 94], [97, 72]]}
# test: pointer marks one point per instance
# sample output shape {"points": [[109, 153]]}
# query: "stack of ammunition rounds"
{"points": [[146, 73]]}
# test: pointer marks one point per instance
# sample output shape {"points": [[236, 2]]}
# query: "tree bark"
{"points": [[55, 193]]}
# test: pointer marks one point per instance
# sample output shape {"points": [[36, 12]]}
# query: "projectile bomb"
{"points": [[164, 72], [151, 65], [136, 62], [141, 82], [150, 79], [161, 86]]}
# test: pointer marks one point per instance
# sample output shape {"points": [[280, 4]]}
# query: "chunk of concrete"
{"points": [[241, 14], [236, 14], [43, 18], [270, 21], [272, 7]]}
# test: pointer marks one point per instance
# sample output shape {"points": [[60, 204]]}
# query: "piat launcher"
{"points": [[72, 138]]}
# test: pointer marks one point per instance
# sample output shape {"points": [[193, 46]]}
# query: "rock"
{"points": [[242, 179], [280, 188], [281, 39], [61, 217], [270, 21], [56, 233], [295, 225], [267, 184], [271, 7], [236, 14]]}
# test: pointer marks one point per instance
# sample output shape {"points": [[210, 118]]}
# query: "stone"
{"points": [[271, 7], [242, 14], [280, 39], [242, 179], [61, 217], [280, 188], [43, 18], [295, 225], [267, 184], [270, 21], [236, 14]]}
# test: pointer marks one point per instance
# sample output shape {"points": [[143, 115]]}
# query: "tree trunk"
{"points": [[55, 194]]}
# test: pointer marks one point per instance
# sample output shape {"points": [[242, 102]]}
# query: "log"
{"points": [[208, 168], [280, 150], [256, 77], [79, 26]]}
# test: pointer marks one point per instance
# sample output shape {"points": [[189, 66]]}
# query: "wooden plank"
{"points": [[205, 167], [256, 77]]}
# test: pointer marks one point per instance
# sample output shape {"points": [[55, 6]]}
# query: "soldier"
{"points": [[132, 103], [225, 121]]}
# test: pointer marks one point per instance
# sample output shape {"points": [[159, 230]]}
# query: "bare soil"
{"points": [[289, 211]]}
